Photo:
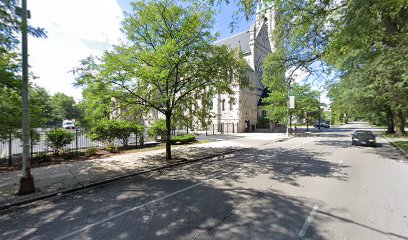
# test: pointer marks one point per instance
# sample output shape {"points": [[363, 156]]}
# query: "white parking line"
{"points": [[308, 221]]}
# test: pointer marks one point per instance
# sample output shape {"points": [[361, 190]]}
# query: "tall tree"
{"points": [[169, 61], [10, 27], [64, 107], [365, 40], [10, 66], [306, 102], [371, 45]]}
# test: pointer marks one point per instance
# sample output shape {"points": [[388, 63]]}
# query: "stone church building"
{"points": [[242, 114]]}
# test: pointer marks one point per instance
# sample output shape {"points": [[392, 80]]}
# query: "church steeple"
{"points": [[265, 15], [262, 6]]}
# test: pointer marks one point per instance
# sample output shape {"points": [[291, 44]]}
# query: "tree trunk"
{"points": [[10, 153], [168, 136], [390, 121], [307, 121], [400, 122]]}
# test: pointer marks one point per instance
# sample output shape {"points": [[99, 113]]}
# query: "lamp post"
{"points": [[291, 105], [26, 181]]}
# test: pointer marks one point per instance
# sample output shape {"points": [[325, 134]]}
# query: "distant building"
{"points": [[242, 114]]}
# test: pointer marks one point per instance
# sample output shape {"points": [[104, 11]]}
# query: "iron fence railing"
{"points": [[11, 148]]}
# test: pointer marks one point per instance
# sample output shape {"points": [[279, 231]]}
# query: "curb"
{"points": [[103, 182], [402, 151]]}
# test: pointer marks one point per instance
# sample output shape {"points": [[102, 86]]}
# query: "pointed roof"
{"points": [[240, 40]]}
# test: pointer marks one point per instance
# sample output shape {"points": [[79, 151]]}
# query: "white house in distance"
{"points": [[241, 115]]}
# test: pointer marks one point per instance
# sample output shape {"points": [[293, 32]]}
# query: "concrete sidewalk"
{"points": [[63, 178]]}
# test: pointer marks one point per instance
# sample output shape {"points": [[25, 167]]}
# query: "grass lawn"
{"points": [[402, 144], [400, 141]]}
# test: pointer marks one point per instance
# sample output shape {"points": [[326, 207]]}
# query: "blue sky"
{"points": [[77, 29], [222, 19]]}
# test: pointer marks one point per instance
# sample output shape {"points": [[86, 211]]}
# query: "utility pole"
{"points": [[26, 181]]}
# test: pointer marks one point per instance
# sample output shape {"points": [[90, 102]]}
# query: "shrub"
{"points": [[108, 130], [158, 129], [68, 155], [183, 139], [112, 148], [42, 157], [262, 123], [58, 138], [90, 151]]}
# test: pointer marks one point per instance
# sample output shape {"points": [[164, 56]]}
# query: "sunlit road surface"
{"points": [[318, 187]]}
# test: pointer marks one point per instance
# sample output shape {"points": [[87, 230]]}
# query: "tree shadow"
{"points": [[214, 208], [205, 211]]}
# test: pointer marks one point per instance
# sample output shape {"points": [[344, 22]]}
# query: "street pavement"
{"points": [[59, 178], [313, 187]]}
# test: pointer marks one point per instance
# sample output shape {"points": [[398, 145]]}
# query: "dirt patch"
{"points": [[70, 157]]}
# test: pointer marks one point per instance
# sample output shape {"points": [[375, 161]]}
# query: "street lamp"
{"points": [[291, 105], [27, 181]]}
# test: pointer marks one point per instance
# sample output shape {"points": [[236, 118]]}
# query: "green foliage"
{"points": [[403, 145], [64, 107], [262, 123], [10, 26], [91, 151], [10, 68], [112, 148], [109, 130], [158, 129], [370, 49], [11, 108], [59, 138], [183, 139], [42, 157], [41, 111], [306, 100], [364, 42], [169, 63]]}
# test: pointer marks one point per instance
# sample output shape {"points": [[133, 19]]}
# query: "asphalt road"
{"points": [[317, 187]]}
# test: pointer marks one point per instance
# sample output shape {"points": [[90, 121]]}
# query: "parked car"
{"points": [[363, 137], [68, 124], [322, 125]]}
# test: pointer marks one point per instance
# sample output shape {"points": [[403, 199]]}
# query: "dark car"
{"points": [[322, 125], [363, 137]]}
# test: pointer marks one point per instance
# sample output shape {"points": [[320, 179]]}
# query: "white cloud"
{"points": [[75, 29]]}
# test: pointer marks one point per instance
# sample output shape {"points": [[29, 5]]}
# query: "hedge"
{"points": [[183, 139]]}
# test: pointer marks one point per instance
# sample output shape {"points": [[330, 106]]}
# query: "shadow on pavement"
{"points": [[203, 212], [219, 211]]}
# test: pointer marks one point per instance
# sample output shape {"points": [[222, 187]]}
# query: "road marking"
{"points": [[308, 221], [135, 208], [68, 235]]}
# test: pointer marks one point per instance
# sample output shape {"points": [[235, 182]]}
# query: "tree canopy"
{"points": [[363, 43], [167, 63], [10, 72]]}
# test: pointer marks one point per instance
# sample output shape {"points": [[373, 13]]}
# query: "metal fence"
{"points": [[212, 129], [11, 148]]}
